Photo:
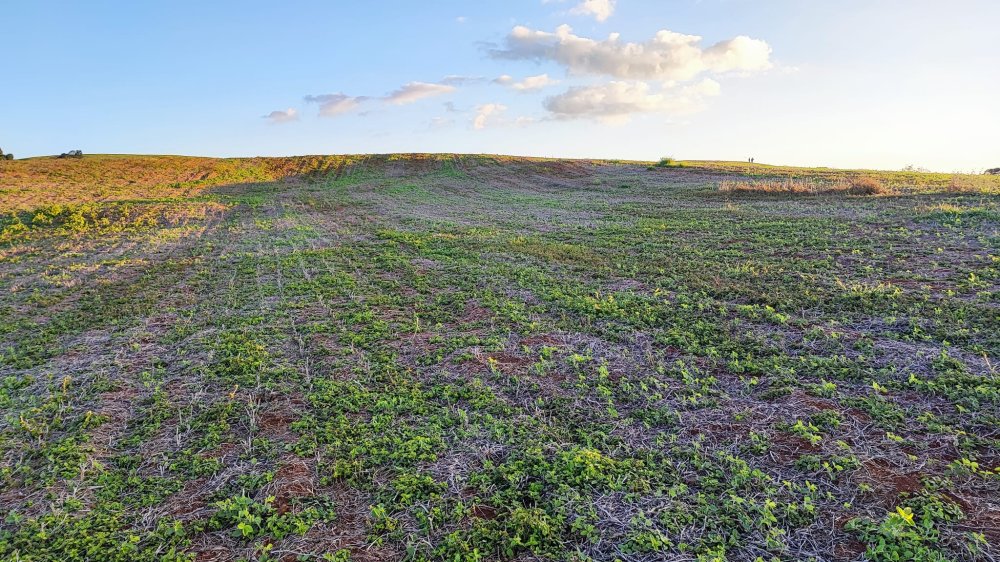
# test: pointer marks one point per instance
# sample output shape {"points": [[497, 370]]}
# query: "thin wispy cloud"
{"points": [[332, 105], [487, 114], [494, 115], [529, 84], [460, 80], [416, 91], [600, 10], [283, 116]]}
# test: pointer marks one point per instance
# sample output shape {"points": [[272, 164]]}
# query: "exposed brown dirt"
{"points": [[295, 478]]}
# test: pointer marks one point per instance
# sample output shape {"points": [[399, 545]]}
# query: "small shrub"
{"points": [[956, 185], [824, 389], [866, 185], [249, 519], [826, 419], [911, 532], [992, 172]]}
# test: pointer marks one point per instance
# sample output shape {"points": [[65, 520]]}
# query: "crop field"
{"points": [[465, 358]]}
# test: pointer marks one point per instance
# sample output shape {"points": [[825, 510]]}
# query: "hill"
{"points": [[458, 357]]}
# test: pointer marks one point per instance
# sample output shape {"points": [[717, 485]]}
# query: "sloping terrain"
{"points": [[435, 357]]}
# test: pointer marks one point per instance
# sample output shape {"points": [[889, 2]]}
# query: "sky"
{"points": [[842, 83]]}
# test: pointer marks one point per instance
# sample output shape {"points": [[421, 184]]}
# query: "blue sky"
{"points": [[846, 83]]}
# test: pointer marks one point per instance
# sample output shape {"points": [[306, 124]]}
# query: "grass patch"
{"points": [[863, 185], [479, 357]]}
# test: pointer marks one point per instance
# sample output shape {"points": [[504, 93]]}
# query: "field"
{"points": [[461, 358]]}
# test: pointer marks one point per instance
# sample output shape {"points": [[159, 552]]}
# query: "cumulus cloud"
{"points": [[740, 53], [331, 105], [667, 56], [415, 91], [600, 9], [529, 84], [283, 116], [616, 101], [486, 114], [460, 80]]}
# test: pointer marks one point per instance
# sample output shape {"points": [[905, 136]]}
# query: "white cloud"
{"points": [[486, 114], [285, 116], [331, 105], [493, 115], [600, 9], [415, 91], [740, 53], [617, 101], [529, 84], [667, 56]]}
